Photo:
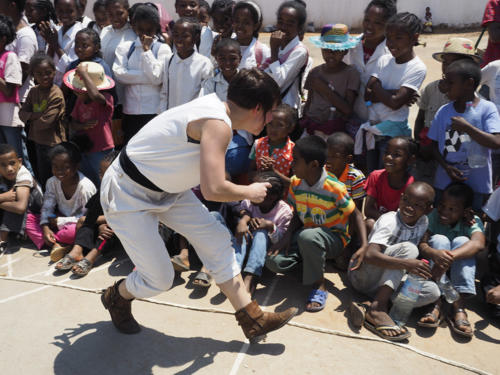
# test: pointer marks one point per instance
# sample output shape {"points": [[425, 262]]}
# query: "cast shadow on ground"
{"points": [[97, 348]]}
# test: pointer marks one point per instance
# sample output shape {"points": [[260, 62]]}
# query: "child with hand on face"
{"points": [[38, 11], [66, 195], [19, 194]]}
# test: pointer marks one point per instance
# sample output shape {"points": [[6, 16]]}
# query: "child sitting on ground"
{"points": [[66, 195], [274, 152], [333, 86], [260, 228], [43, 111], [322, 209], [434, 97], [186, 69], [467, 122], [93, 235], [377, 271], [385, 186], [92, 114], [339, 162], [451, 244], [19, 194]]}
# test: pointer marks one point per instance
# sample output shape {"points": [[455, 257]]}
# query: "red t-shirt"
{"points": [[387, 198], [491, 14], [100, 135]]}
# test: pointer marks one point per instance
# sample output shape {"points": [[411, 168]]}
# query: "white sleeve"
{"points": [[153, 67], [382, 230], [207, 87], [66, 59], [415, 77], [207, 70], [49, 201], [286, 73], [26, 48], [164, 88], [488, 74], [13, 72], [121, 71], [492, 207]]}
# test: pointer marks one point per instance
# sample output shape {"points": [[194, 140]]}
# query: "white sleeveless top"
{"points": [[161, 150]]}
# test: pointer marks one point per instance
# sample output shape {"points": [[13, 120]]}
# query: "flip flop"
{"points": [[454, 324], [59, 252], [179, 265], [356, 313], [403, 335], [66, 263], [437, 319], [318, 296], [85, 267], [203, 280]]}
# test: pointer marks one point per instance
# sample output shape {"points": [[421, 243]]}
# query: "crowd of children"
{"points": [[346, 178]]}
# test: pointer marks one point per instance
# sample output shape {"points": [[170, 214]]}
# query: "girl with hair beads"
{"points": [[289, 57], [61, 42], [68, 191], [394, 83], [247, 20], [365, 55], [38, 11], [138, 67]]}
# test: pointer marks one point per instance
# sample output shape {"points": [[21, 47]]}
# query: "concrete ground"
{"points": [[47, 328]]}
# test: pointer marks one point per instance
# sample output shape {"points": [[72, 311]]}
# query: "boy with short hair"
{"points": [[339, 157], [392, 248], [322, 209], [451, 243], [19, 192]]}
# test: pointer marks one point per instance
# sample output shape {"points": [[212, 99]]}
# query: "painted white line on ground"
{"points": [[9, 265], [9, 262], [246, 345], [24, 294]]}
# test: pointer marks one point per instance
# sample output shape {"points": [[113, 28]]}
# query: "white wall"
{"points": [[454, 13]]}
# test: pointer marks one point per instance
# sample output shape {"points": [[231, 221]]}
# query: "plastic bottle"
{"points": [[477, 155], [447, 289], [406, 299]]}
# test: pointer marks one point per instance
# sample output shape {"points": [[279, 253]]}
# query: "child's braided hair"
{"points": [[389, 7], [7, 29], [46, 7], [408, 22]]}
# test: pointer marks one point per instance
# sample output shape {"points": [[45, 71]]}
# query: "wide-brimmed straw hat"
{"points": [[335, 37], [96, 74], [458, 46]]}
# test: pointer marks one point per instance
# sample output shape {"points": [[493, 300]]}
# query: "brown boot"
{"points": [[256, 323], [120, 310]]}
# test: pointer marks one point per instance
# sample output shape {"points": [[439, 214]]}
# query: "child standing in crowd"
{"points": [[319, 226], [340, 153], [434, 97], [204, 14], [365, 55], [92, 114], [333, 86], [38, 11], [289, 56], [61, 42], [19, 194], [451, 244], [385, 186], [138, 67], [186, 69], [247, 20], [11, 76], [274, 152], [68, 191], [191, 9], [377, 270], [395, 82], [43, 111], [93, 235], [222, 17], [100, 16], [467, 122]]}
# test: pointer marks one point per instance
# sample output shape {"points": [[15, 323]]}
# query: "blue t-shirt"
{"points": [[483, 116]]}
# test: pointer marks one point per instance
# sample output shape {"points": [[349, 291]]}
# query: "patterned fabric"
{"points": [[325, 204], [354, 181], [282, 156], [491, 12], [453, 141]]}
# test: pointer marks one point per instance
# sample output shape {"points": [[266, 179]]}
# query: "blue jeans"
{"points": [[463, 271], [13, 135], [237, 161], [256, 254], [90, 164]]}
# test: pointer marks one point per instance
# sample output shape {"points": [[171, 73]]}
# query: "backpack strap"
{"points": [[155, 48], [300, 75]]}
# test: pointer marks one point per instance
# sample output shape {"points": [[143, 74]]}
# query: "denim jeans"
{"points": [[258, 249], [463, 271]]}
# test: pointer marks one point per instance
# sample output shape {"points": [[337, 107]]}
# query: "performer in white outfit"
{"points": [[152, 180]]}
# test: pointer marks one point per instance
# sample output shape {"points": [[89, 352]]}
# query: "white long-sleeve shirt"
{"points": [[141, 75], [182, 79], [71, 209], [248, 55], [67, 43], [286, 73], [206, 41]]}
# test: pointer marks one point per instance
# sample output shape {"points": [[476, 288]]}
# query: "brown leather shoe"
{"points": [[120, 310], [256, 323]]}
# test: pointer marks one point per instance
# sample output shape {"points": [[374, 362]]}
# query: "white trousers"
{"points": [[133, 212]]}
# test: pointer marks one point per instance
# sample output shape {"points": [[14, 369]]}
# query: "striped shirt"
{"points": [[354, 181], [326, 204]]}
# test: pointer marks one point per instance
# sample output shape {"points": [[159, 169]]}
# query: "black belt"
{"points": [[131, 170]]}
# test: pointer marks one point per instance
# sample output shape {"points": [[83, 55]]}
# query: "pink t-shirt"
{"points": [[387, 198], [100, 135]]}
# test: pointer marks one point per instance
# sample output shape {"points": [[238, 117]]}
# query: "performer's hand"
{"points": [[257, 191]]}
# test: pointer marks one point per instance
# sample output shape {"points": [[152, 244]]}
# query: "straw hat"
{"points": [[96, 74], [335, 37], [458, 46]]}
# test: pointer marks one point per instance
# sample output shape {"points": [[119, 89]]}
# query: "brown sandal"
{"points": [[436, 320], [454, 324]]}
